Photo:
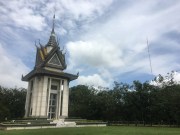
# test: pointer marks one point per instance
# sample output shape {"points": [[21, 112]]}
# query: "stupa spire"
{"points": [[52, 32], [52, 40]]}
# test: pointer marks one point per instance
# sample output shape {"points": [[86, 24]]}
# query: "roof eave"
{"points": [[33, 73]]}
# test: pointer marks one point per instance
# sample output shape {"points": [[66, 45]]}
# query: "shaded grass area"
{"points": [[111, 130]]}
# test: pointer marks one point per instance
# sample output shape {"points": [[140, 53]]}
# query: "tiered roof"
{"points": [[50, 60]]}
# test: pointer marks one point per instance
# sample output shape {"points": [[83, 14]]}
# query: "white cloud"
{"points": [[30, 15], [167, 79], [177, 77], [119, 43], [107, 39], [94, 54], [92, 80], [11, 70], [20, 14], [81, 9], [37, 15]]}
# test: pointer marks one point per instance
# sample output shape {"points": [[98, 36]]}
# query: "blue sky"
{"points": [[104, 40]]}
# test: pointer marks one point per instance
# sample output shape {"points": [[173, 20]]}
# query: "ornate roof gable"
{"points": [[55, 58], [57, 55], [50, 55]]}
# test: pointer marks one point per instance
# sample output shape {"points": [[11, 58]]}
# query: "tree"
{"points": [[81, 98], [12, 103]]}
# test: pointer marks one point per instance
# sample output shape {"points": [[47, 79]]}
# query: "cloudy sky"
{"points": [[104, 40]]}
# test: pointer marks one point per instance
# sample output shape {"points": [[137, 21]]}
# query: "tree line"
{"points": [[123, 102], [136, 102]]}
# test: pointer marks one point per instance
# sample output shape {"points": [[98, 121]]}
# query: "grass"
{"points": [[111, 130]]}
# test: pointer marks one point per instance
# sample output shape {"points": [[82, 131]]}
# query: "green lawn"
{"points": [[121, 130]]}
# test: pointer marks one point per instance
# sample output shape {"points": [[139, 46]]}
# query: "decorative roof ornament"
{"points": [[52, 32], [52, 40]]}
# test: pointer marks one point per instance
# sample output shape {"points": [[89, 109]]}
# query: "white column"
{"points": [[34, 96], [65, 99], [27, 100], [44, 93], [38, 95], [39, 90], [47, 109], [59, 99]]}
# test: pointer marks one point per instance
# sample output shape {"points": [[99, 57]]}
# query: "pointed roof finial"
{"points": [[52, 32], [52, 40]]}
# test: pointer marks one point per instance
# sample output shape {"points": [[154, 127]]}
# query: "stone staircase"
{"points": [[62, 123]]}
